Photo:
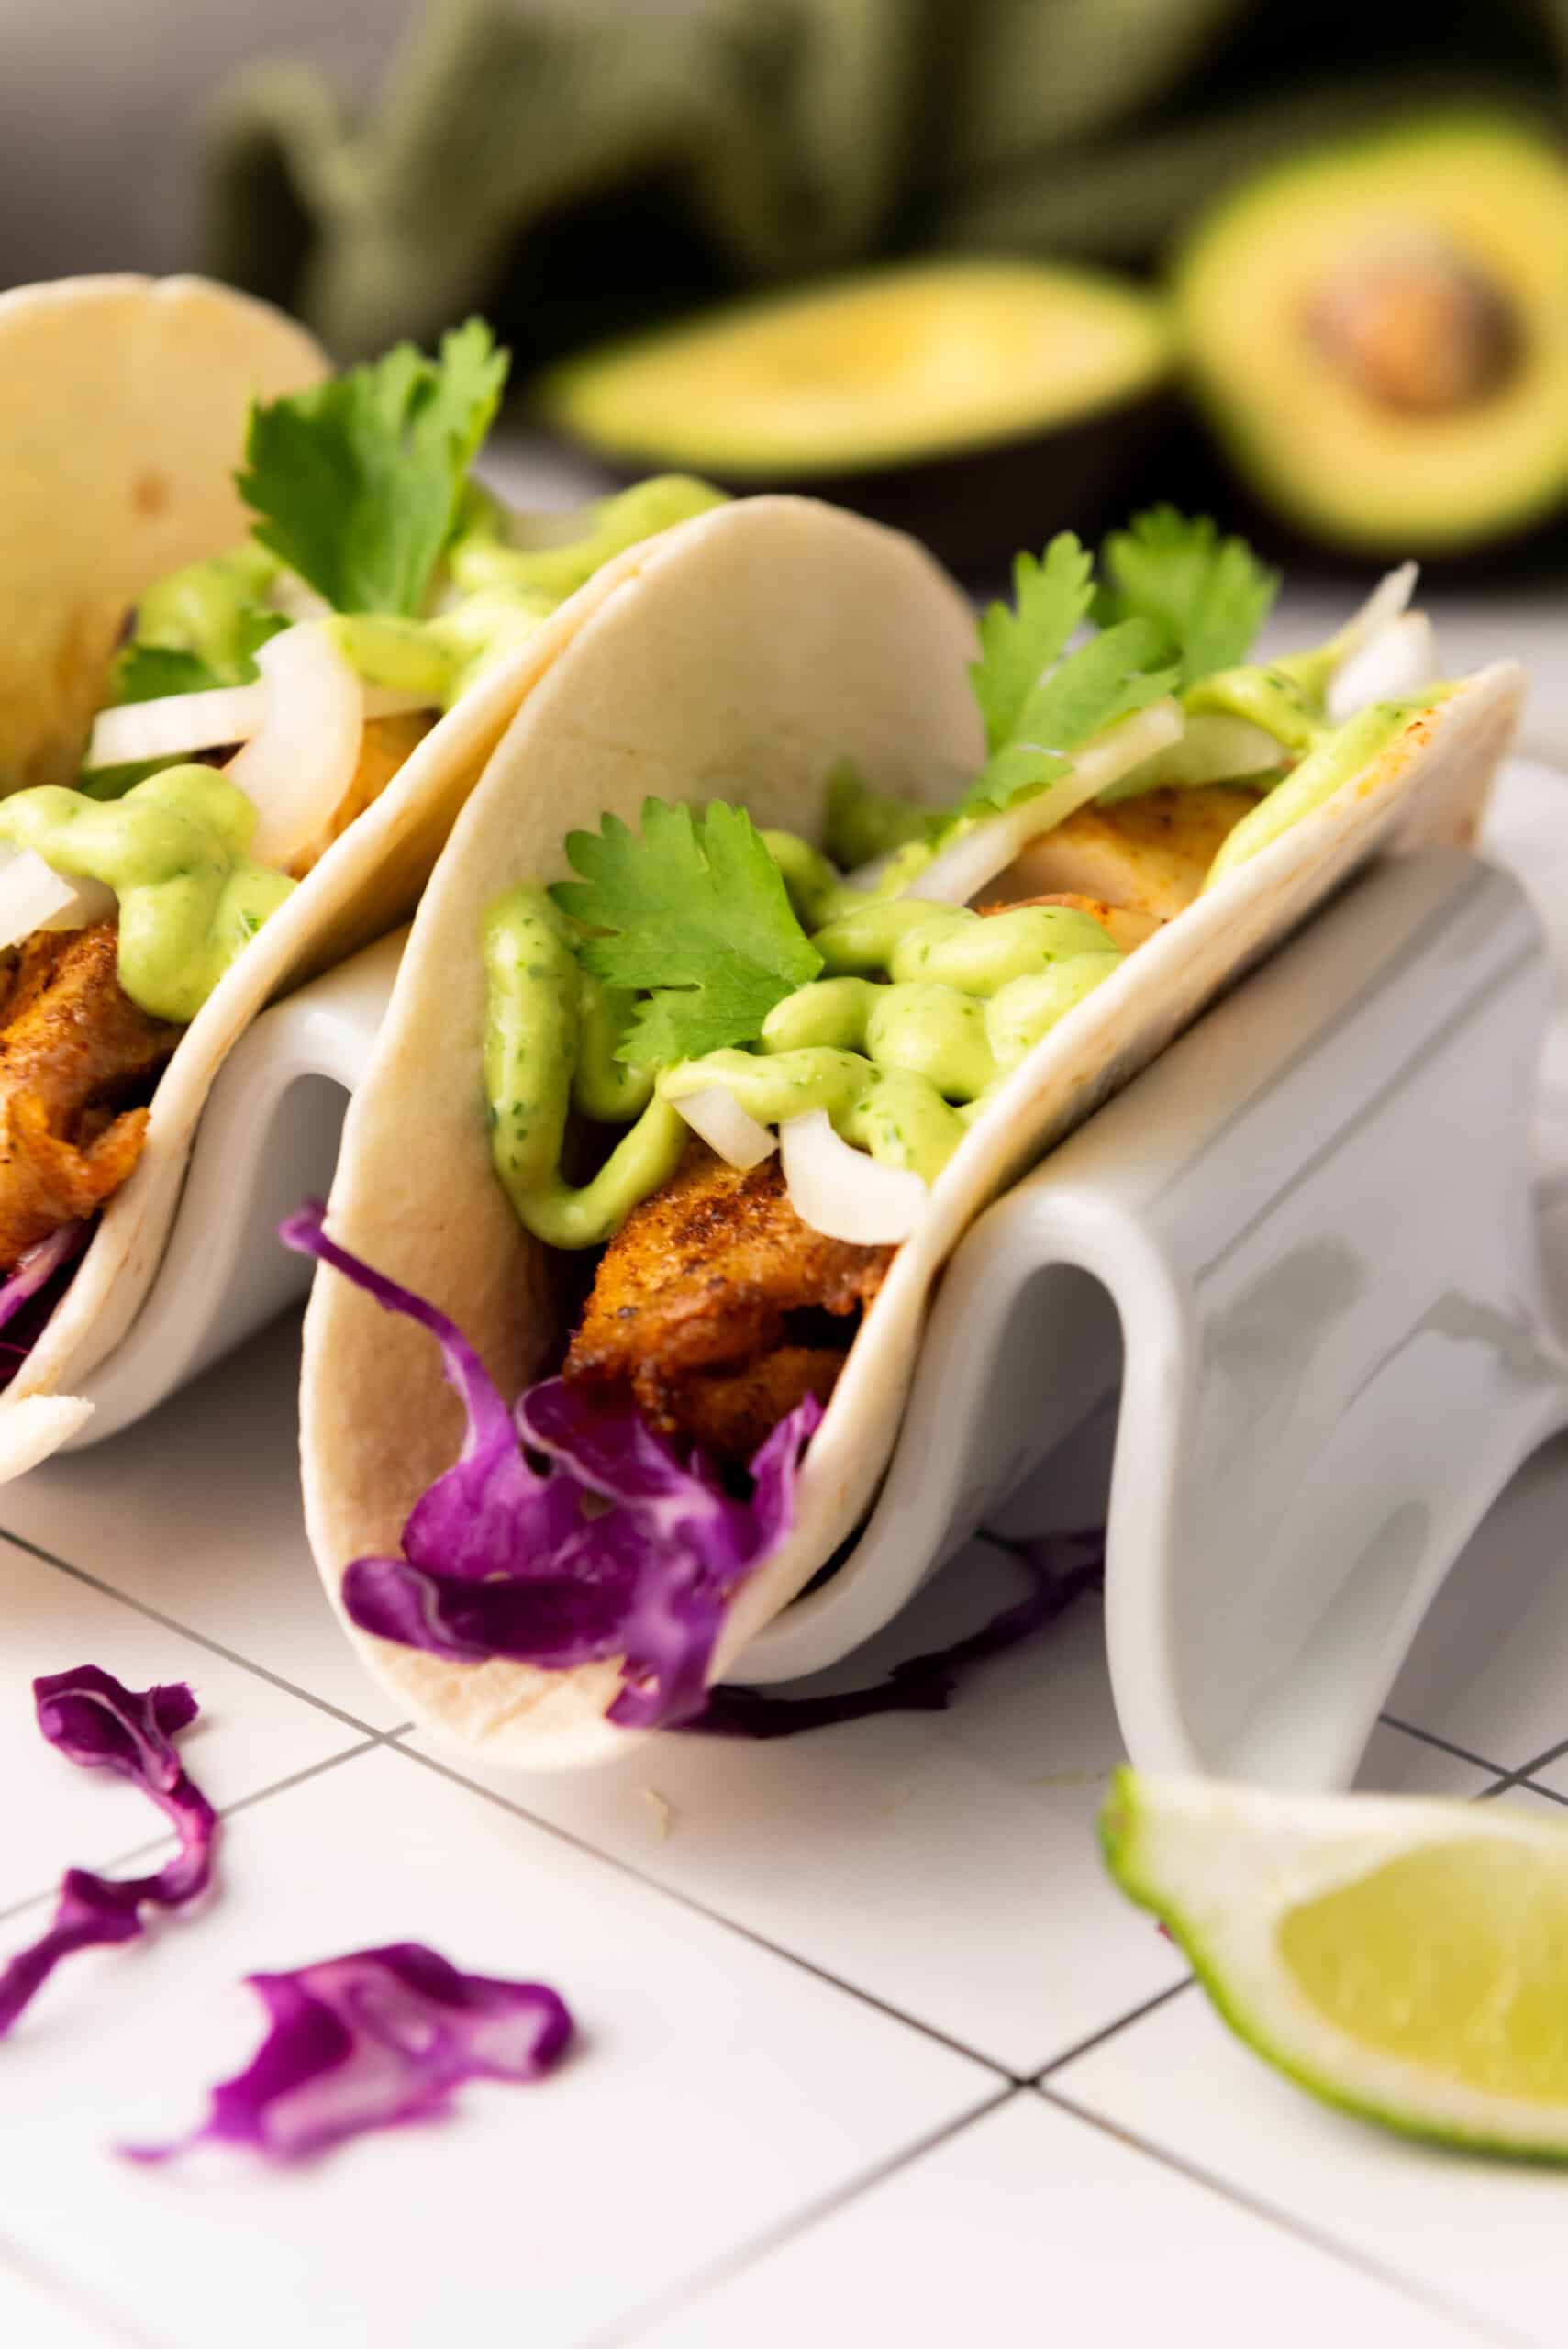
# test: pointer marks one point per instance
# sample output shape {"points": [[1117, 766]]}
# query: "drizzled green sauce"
{"points": [[926, 1008], [173, 851]]}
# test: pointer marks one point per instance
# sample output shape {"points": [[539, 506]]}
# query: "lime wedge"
{"points": [[1405, 1960]]}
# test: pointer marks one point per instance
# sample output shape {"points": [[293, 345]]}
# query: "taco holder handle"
{"points": [[1305, 1240], [1306, 1244]]}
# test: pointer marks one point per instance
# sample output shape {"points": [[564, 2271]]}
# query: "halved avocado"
{"points": [[975, 402], [1379, 333]]}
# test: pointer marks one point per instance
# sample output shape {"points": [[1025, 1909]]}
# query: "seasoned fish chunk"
{"points": [[1150, 853], [75, 1052], [712, 1275]]}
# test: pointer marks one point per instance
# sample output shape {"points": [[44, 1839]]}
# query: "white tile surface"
{"points": [[1487, 2236], [945, 1862], [1031, 2225], [718, 2092], [34, 2316], [249, 1734], [197, 1513], [1489, 1668]]}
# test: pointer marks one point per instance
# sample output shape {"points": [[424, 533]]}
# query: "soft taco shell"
{"points": [[123, 403], [754, 647]]}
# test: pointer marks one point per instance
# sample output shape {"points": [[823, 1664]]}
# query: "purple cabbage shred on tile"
{"points": [[371, 2040], [98, 1723], [500, 1558], [1060, 1568]]}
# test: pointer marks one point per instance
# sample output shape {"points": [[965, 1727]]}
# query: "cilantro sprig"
{"points": [[1207, 596], [358, 483], [692, 913], [1040, 702]]}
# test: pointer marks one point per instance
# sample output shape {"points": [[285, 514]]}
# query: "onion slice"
{"points": [[1397, 662], [178, 723], [297, 767], [844, 1192], [33, 896], [726, 1127], [957, 874], [174, 724], [1388, 600]]}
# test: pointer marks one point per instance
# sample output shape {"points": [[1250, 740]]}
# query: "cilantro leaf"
{"points": [[358, 483], [1018, 643], [1112, 675], [149, 671], [692, 911], [1208, 596]]}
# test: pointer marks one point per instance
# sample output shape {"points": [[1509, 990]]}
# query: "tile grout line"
{"points": [[200, 1639], [242, 1802], [1446, 1745], [1109, 2030], [704, 2281], [715, 1917], [67, 2293], [1540, 1761], [1284, 2220], [1531, 1786]]}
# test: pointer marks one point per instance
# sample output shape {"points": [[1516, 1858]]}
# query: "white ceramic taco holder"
{"points": [[1307, 1246]]}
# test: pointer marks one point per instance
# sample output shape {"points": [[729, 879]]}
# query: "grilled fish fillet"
{"points": [[75, 1053], [709, 1304], [1150, 853]]}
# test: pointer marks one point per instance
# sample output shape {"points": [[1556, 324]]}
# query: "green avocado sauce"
{"points": [[1338, 753], [504, 592], [206, 608], [173, 851], [540, 1055], [923, 1010]]}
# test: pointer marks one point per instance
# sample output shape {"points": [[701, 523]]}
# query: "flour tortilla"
{"points": [[754, 647], [123, 403]]}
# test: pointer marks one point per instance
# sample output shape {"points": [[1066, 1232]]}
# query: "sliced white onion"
{"points": [[298, 765], [960, 872], [1388, 599], [726, 1127], [1398, 660], [176, 723], [33, 896], [844, 1192]]}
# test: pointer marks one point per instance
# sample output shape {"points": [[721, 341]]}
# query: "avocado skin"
{"points": [[974, 507]]}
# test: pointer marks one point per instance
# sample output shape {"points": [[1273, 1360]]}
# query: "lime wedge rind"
{"points": [[1220, 1866]]}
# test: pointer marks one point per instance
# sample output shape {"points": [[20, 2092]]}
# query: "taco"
{"points": [[676, 1117], [259, 634]]}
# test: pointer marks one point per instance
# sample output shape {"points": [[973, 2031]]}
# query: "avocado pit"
{"points": [[1418, 327]]}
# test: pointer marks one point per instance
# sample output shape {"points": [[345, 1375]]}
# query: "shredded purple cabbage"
{"points": [[501, 1559], [96, 1722], [370, 2040], [39, 1271], [1061, 1567]]}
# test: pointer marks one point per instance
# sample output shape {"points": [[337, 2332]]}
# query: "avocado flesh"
{"points": [[878, 370], [1379, 333]]}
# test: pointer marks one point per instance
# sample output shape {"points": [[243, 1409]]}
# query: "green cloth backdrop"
{"points": [[575, 168]]}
